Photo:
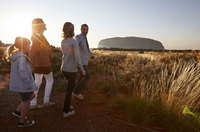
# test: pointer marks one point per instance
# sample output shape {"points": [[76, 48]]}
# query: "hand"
{"points": [[94, 61], [33, 95], [83, 74]]}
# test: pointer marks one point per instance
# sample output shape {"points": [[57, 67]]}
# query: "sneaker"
{"points": [[18, 114], [26, 123], [79, 96], [70, 113], [48, 103], [36, 106]]}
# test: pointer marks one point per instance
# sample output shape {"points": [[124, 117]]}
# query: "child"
{"points": [[21, 79], [70, 60]]}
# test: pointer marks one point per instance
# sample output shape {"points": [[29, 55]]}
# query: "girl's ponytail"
{"points": [[10, 50], [20, 42]]}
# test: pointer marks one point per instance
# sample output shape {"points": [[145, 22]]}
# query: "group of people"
{"points": [[27, 59]]}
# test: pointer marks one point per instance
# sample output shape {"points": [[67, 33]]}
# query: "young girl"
{"points": [[70, 60], [21, 79]]}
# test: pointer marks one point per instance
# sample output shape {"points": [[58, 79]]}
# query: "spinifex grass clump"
{"points": [[108, 87], [175, 85], [197, 54], [4, 64], [167, 85], [2, 51]]}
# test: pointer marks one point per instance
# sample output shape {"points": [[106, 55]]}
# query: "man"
{"points": [[84, 53], [40, 55]]}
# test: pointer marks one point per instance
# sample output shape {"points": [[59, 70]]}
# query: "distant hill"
{"points": [[130, 43]]}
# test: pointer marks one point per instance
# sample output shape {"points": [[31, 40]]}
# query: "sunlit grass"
{"points": [[172, 79]]}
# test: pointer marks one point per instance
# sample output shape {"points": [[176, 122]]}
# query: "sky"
{"points": [[175, 23]]}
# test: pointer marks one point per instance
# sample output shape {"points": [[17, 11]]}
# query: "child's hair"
{"points": [[20, 42]]}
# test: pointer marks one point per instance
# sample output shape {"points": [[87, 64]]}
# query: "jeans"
{"points": [[48, 87], [82, 80], [71, 78]]}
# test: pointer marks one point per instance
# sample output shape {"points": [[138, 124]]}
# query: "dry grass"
{"points": [[2, 51], [149, 76], [169, 78], [4, 65]]}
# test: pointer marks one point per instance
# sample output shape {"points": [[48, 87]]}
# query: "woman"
{"points": [[40, 55], [70, 60]]}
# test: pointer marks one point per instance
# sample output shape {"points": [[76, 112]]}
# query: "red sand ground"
{"points": [[93, 114]]}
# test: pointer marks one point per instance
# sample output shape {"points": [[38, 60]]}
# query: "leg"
{"points": [[87, 77], [48, 87], [19, 107], [24, 109], [38, 81], [25, 96], [71, 77], [81, 84], [24, 106], [80, 77], [76, 88]]}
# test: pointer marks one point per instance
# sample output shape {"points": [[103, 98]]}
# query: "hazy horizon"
{"points": [[175, 23]]}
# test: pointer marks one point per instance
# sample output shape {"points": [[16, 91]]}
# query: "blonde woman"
{"points": [[70, 61], [40, 55]]}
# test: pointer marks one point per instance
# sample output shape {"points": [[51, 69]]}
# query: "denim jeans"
{"points": [[71, 78], [82, 80]]}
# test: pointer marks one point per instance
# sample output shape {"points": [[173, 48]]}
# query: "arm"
{"points": [[24, 72], [90, 53], [78, 40], [34, 51], [77, 57], [63, 48]]}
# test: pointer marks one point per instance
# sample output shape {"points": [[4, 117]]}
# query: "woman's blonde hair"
{"points": [[68, 30], [20, 42], [37, 25]]}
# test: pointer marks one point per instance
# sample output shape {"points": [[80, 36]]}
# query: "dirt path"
{"points": [[93, 114]]}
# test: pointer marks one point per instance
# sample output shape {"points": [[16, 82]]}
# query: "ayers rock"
{"points": [[130, 43]]}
